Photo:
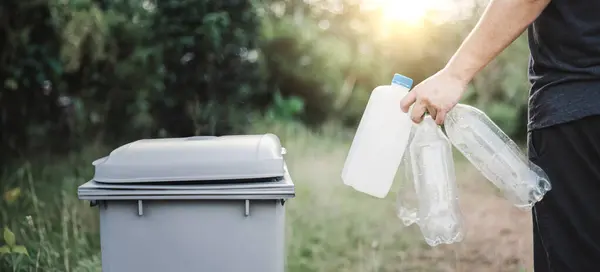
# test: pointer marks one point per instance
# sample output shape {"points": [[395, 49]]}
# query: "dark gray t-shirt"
{"points": [[564, 66]]}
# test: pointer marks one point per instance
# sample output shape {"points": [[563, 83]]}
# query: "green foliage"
{"points": [[9, 238], [316, 55], [12, 195], [333, 58], [53, 230], [207, 68], [29, 49], [10, 250], [285, 108], [77, 71], [501, 89]]}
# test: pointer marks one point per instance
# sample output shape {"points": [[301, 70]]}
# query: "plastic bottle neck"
{"points": [[429, 129]]}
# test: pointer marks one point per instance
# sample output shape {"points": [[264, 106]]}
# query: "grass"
{"points": [[330, 227], [58, 231]]}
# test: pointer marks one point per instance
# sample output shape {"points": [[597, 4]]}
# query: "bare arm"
{"points": [[501, 23]]}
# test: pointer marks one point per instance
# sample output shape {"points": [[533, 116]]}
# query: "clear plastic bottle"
{"points": [[380, 140], [439, 215], [496, 156], [407, 202]]}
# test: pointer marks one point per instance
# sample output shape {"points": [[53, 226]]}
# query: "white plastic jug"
{"points": [[380, 140], [496, 156], [439, 215]]}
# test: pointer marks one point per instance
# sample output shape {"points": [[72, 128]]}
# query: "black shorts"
{"points": [[566, 223]]}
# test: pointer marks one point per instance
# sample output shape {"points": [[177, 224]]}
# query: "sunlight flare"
{"points": [[404, 11]]}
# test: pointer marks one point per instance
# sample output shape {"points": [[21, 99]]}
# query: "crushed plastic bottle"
{"points": [[407, 202], [439, 215], [380, 140], [496, 156]]}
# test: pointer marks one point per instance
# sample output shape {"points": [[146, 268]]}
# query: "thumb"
{"points": [[408, 100]]}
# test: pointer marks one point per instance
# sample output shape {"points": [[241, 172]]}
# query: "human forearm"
{"points": [[501, 23]]}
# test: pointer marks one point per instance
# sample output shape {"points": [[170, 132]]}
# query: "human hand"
{"points": [[437, 95]]}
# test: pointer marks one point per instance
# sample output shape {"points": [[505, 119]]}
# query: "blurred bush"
{"points": [[332, 55], [77, 71]]}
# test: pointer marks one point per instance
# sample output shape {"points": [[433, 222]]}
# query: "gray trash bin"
{"points": [[192, 204]]}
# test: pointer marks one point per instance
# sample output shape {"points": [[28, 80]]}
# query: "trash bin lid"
{"points": [[267, 188], [200, 158]]}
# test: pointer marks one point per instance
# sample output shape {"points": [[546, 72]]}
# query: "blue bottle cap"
{"points": [[402, 81]]}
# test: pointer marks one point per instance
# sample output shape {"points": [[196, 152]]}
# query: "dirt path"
{"points": [[498, 238]]}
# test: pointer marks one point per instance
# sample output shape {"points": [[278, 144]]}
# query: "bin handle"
{"points": [[198, 138], [247, 208]]}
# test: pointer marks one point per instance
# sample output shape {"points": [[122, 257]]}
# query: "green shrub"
{"points": [[76, 71]]}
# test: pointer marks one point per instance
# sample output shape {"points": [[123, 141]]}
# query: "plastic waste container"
{"points": [[192, 204]]}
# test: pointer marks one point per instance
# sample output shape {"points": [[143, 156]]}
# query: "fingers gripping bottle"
{"points": [[496, 156], [439, 215], [380, 140]]}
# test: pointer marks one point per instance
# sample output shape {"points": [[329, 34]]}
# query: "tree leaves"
{"points": [[9, 237], [20, 250], [11, 246], [4, 250], [11, 84], [12, 195]]}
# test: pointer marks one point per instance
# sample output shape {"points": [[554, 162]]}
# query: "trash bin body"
{"points": [[192, 223], [192, 235]]}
